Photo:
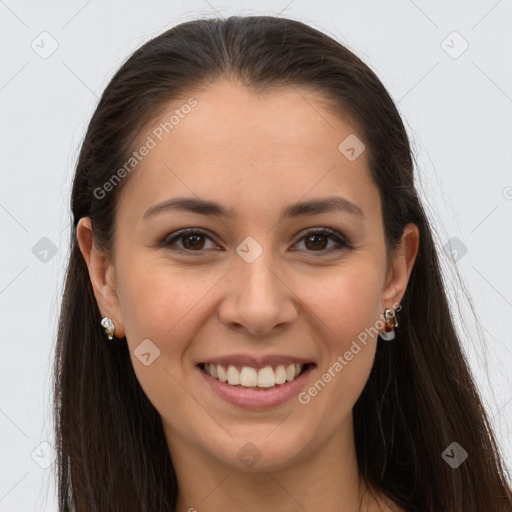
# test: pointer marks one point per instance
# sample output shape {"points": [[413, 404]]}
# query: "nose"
{"points": [[258, 298]]}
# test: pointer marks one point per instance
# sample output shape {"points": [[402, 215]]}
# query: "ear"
{"points": [[102, 276], [400, 267]]}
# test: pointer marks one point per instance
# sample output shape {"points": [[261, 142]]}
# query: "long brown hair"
{"points": [[420, 396]]}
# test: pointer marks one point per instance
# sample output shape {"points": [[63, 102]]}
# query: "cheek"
{"points": [[161, 303], [347, 305], [347, 301], [156, 300]]}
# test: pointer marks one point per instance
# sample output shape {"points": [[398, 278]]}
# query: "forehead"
{"points": [[235, 145], [228, 115]]}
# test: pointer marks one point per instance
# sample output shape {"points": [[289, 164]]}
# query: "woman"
{"points": [[254, 316]]}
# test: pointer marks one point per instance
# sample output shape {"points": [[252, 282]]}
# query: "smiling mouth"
{"points": [[247, 377]]}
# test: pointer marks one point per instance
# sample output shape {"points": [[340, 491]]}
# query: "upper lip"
{"points": [[256, 361]]}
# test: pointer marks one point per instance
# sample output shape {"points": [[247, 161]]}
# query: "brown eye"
{"points": [[191, 240], [317, 240]]}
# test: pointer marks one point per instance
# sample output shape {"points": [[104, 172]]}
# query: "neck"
{"points": [[326, 479]]}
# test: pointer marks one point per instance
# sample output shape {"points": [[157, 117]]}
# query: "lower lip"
{"points": [[257, 399]]}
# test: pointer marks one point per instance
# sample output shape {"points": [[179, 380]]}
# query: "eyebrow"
{"points": [[211, 208]]}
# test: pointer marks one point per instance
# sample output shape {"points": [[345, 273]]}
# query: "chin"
{"points": [[262, 449]]}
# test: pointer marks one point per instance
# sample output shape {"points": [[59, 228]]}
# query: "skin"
{"points": [[254, 154]]}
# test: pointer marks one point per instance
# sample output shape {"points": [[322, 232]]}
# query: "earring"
{"points": [[391, 322], [108, 326]]}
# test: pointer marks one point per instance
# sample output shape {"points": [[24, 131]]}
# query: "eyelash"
{"points": [[342, 243]]}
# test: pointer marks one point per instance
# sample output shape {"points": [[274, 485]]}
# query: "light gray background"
{"points": [[457, 107]]}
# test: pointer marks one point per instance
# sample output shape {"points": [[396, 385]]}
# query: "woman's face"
{"points": [[259, 287]]}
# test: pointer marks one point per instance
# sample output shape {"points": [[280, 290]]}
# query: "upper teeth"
{"points": [[250, 377]]}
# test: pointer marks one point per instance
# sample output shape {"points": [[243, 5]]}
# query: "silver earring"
{"points": [[108, 326], [391, 322]]}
